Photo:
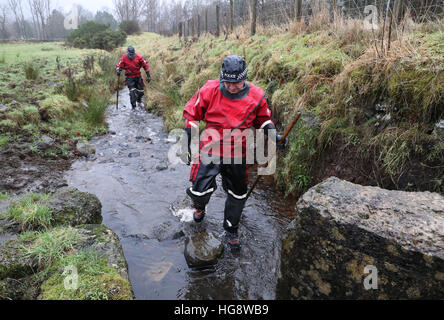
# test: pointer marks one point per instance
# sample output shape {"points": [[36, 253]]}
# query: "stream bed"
{"points": [[144, 202]]}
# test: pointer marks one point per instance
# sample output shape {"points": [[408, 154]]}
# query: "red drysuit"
{"points": [[220, 112], [132, 67]]}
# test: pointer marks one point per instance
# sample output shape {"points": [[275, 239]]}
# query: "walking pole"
{"points": [[117, 103], [287, 131]]}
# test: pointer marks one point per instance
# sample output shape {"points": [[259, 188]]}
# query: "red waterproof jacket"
{"points": [[132, 67], [209, 104]]}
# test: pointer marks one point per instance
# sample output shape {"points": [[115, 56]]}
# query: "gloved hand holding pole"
{"points": [[283, 139]]}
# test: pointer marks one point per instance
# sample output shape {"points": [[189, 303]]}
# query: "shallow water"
{"points": [[143, 198]]}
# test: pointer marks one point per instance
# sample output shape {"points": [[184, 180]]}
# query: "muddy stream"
{"points": [[144, 202]]}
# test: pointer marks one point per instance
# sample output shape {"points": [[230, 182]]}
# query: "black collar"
{"points": [[237, 96]]}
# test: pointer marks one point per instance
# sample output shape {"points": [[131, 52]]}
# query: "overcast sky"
{"points": [[92, 5]]}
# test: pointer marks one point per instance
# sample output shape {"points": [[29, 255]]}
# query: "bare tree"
{"points": [[3, 21], [40, 11], [128, 9], [151, 14], [16, 8]]}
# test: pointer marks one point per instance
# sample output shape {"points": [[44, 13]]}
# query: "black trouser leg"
{"points": [[203, 177], [235, 183], [135, 87], [140, 92]]}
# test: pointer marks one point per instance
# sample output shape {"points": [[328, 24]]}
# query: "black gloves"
{"points": [[148, 77], [281, 146], [118, 72], [186, 155]]}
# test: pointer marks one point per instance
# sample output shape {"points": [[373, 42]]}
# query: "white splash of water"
{"points": [[185, 215]]}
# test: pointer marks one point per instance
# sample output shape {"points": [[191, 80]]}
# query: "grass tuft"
{"points": [[31, 71], [31, 212]]}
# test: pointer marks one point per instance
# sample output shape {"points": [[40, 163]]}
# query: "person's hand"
{"points": [[148, 76], [283, 146], [118, 73], [185, 154]]}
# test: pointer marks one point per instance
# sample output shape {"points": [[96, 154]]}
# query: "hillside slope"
{"points": [[370, 116]]}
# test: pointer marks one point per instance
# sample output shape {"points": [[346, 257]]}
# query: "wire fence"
{"points": [[279, 12]]}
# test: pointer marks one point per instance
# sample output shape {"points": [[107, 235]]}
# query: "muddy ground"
{"points": [[29, 166]]}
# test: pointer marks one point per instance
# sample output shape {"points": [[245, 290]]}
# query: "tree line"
{"points": [[44, 21], [168, 16]]}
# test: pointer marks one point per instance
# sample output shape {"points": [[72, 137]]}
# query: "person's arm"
{"points": [[120, 65], [194, 112], [263, 121], [146, 68]]}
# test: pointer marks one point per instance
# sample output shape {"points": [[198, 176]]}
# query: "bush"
{"points": [[93, 35], [30, 71], [95, 113], [130, 26]]}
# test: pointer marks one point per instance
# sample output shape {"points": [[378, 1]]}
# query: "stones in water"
{"points": [[85, 149], [161, 167], [203, 250], [143, 139], [342, 230], [134, 154]]}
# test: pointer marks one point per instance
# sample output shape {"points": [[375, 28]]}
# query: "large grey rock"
{"points": [[13, 261], [16, 267], [3, 108], [85, 148], [72, 207], [68, 206], [341, 228], [202, 250]]}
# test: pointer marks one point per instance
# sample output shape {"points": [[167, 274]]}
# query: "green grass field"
{"points": [[36, 85]]}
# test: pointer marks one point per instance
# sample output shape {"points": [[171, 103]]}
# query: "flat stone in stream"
{"points": [[342, 231], [202, 250], [134, 154]]}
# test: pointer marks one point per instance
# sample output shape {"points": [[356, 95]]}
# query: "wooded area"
{"points": [[192, 18]]}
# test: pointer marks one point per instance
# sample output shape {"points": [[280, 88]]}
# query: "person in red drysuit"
{"points": [[131, 62], [230, 103]]}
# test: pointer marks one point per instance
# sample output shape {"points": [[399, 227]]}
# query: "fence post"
{"points": [[298, 10], [231, 16], [217, 21], [398, 10], [253, 7], [198, 25]]}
